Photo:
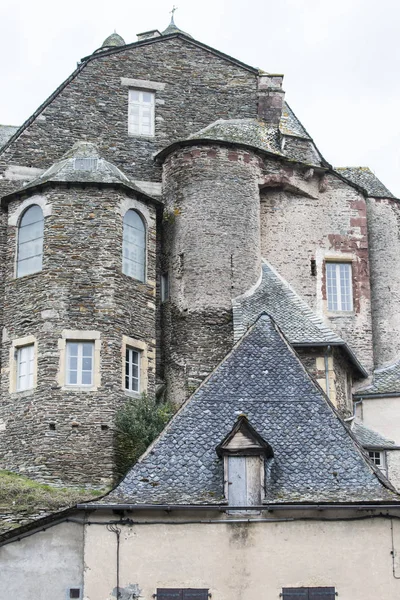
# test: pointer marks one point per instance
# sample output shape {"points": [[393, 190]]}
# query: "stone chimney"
{"points": [[270, 98], [147, 35]]}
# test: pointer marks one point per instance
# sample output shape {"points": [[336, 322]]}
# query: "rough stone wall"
{"points": [[200, 88], [81, 287], [296, 229], [212, 252], [384, 243]]}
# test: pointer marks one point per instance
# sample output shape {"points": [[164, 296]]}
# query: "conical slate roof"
{"points": [[316, 458], [113, 40], [81, 164], [172, 28]]}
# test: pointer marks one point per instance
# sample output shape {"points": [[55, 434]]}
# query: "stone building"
{"points": [[160, 209]]}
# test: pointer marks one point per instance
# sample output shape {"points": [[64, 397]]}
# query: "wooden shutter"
{"points": [[303, 593], [195, 594], [295, 593], [321, 593], [169, 594]]}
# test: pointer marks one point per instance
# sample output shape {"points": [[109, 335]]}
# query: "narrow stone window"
{"points": [[339, 286], [30, 241], [164, 287], [25, 367], [141, 113], [132, 370], [134, 246], [80, 363]]}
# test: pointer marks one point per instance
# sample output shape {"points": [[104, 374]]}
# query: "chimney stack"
{"points": [[270, 98]]}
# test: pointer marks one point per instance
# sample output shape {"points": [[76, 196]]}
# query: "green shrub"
{"points": [[137, 424]]}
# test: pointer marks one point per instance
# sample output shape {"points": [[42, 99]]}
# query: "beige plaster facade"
{"points": [[246, 560]]}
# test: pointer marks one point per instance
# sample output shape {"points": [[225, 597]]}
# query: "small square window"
{"points": [[339, 286], [74, 593], [141, 113], [80, 363], [132, 370], [377, 458], [25, 367]]}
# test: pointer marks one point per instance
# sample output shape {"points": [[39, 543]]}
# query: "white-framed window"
{"points": [[80, 359], [134, 245], [132, 369], [25, 360], [30, 241], [141, 113], [339, 286], [378, 458]]}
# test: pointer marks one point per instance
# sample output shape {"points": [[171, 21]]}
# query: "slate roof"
{"points": [[68, 170], [365, 178], [368, 438], [385, 381], [276, 297], [316, 459], [290, 125], [6, 131]]}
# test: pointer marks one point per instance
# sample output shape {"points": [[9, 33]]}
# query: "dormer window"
{"points": [[244, 452]]}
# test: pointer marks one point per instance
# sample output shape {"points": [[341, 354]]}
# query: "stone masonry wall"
{"points": [[200, 88], [384, 241], [212, 253], [296, 229], [54, 432]]}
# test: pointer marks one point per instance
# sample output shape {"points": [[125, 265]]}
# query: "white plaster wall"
{"points": [[246, 561], [43, 566], [382, 415], [393, 467]]}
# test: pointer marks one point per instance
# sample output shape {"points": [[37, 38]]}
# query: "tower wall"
{"points": [[384, 241], [56, 432], [212, 254]]}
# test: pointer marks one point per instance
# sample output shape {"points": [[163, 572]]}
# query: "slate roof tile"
{"points": [[369, 438], [385, 381], [6, 131], [365, 178], [316, 459]]}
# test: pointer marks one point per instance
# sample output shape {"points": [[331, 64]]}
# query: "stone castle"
{"points": [[152, 208]]}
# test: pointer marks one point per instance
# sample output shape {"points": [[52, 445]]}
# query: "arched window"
{"points": [[134, 246], [30, 241]]}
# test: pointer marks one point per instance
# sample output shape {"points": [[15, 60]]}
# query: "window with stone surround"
{"points": [[25, 367], [135, 365], [141, 113], [79, 370], [134, 246], [23, 364], [132, 369], [79, 359], [30, 241], [339, 286]]}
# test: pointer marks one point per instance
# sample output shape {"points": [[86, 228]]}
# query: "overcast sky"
{"points": [[340, 59]]}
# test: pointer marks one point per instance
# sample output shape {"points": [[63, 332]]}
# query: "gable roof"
{"points": [[298, 322], [243, 438], [316, 458]]}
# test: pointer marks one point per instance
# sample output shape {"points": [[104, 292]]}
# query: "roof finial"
{"points": [[174, 8]]}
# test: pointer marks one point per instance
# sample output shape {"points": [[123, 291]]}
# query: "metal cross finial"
{"points": [[174, 8]]}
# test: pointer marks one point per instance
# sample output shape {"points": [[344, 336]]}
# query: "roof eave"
{"points": [[53, 183]]}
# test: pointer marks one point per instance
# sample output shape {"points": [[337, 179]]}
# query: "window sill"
{"points": [[132, 394], [23, 393], [340, 314], [79, 388], [146, 138]]}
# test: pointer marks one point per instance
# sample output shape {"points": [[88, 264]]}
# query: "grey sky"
{"points": [[341, 60]]}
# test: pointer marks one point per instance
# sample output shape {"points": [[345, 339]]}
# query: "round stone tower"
{"points": [[79, 317], [211, 254]]}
